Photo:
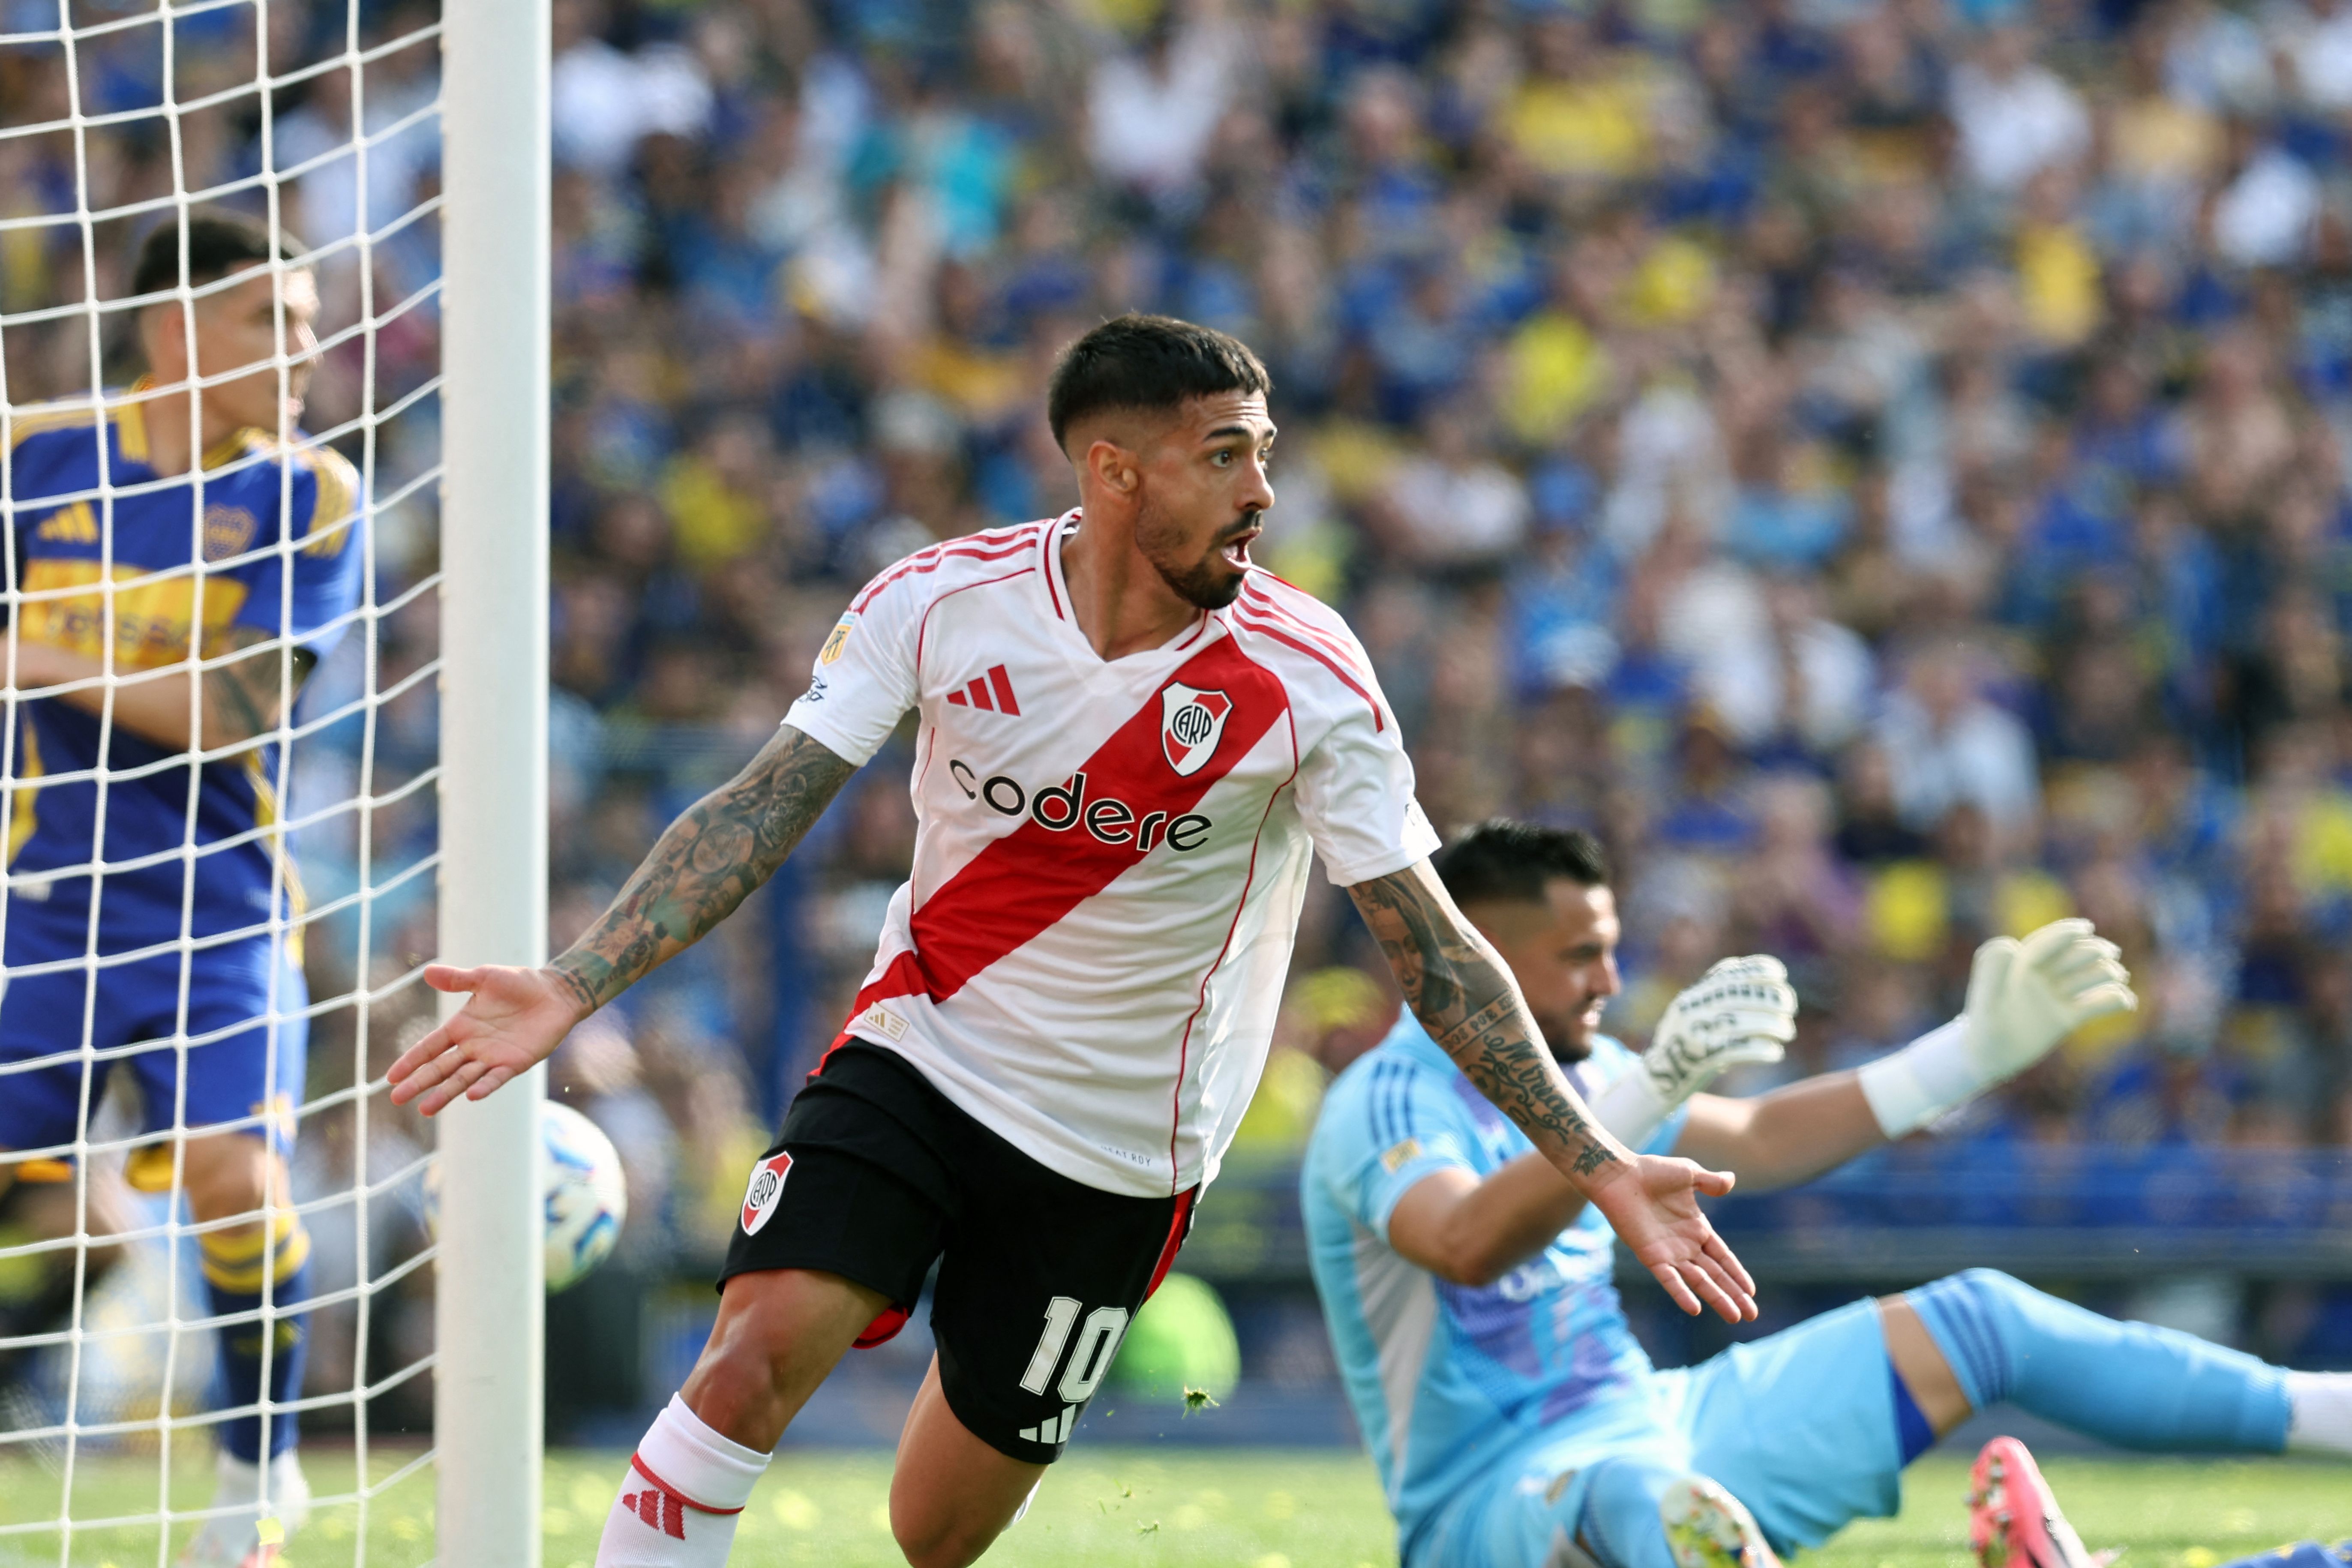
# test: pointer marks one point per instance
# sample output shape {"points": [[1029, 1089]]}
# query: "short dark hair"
{"points": [[1502, 861], [218, 244], [1137, 360]]}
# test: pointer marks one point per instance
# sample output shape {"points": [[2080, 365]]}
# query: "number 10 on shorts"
{"points": [[1089, 1358]]}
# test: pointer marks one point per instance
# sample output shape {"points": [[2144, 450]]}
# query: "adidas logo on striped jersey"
{"points": [[75, 524], [1056, 1430], [991, 693]]}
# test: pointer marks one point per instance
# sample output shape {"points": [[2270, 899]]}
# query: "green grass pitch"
{"points": [[1179, 1508]]}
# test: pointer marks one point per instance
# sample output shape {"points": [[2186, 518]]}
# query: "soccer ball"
{"points": [[583, 1195], [585, 1198]]}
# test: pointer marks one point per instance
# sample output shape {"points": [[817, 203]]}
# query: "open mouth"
{"points": [[1235, 549]]}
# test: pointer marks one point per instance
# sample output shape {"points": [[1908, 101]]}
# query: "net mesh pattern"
{"points": [[202, 872]]}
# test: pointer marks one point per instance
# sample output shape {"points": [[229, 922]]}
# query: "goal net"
{"points": [[222, 783]]}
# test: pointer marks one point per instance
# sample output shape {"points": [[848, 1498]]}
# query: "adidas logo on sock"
{"points": [[659, 1509]]}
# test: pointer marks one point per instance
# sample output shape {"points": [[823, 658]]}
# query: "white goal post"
{"points": [[490, 1304]]}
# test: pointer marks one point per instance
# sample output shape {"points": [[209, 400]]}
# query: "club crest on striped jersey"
{"points": [[767, 1186], [1191, 720]]}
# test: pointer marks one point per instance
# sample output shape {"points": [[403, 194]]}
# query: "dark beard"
{"points": [[1563, 1051], [1200, 583]]}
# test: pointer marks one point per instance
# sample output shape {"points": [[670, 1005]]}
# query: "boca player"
{"points": [[1528, 1430], [1131, 743], [177, 567]]}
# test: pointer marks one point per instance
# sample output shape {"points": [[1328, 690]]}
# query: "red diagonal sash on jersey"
{"points": [[1033, 877]]}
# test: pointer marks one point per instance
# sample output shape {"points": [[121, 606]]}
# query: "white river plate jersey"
{"points": [[1110, 856]]}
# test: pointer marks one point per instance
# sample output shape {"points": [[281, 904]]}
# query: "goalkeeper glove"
{"points": [[2024, 998], [1742, 1010]]}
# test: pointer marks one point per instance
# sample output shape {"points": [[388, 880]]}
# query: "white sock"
{"points": [[685, 1488], [2321, 1403], [236, 1481], [239, 1486]]}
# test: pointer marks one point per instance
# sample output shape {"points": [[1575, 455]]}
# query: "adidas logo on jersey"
{"points": [[991, 693], [75, 524], [659, 1509]]}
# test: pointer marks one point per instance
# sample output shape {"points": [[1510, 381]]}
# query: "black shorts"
{"points": [[876, 1174]]}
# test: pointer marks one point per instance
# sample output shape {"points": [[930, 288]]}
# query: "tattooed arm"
{"points": [[1456, 984], [726, 844], [242, 693], [1465, 996], [708, 861]]}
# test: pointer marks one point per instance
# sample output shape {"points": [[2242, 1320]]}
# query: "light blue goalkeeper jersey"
{"points": [[1445, 1379]]}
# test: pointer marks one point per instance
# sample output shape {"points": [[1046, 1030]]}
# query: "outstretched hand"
{"points": [[512, 1021], [1654, 1208], [1741, 1011], [2024, 998]]}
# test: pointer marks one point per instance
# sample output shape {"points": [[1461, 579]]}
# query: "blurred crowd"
{"points": [[1881, 464]]}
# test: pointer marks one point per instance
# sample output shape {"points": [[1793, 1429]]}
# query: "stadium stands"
{"points": [[1880, 465]]}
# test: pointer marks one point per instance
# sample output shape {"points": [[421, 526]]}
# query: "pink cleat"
{"points": [[2014, 1520]]}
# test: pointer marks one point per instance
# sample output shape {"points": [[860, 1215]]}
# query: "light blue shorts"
{"points": [[1800, 1426]]}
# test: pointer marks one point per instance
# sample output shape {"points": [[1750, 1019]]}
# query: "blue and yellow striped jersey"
{"points": [[106, 553]]}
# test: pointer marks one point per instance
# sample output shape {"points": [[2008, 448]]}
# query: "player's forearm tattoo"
{"points": [[704, 864], [235, 705], [241, 698], [1458, 988]]}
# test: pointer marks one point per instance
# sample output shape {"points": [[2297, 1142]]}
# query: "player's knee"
{"points": [[225, 1175], [1974, 1316], [747, 1383], [930, 1539], [761, 1347], [1992, 1284], [782, 1330], [249, 1260], [1978, 1293]]}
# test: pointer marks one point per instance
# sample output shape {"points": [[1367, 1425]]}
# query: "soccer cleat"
{"points": [[2014, 1520], [224, 1543], [250, 1538], [1707, 1527]]}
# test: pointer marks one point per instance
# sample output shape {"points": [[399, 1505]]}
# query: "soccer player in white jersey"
{"points": [[1516, 1422], [1130, 742]]}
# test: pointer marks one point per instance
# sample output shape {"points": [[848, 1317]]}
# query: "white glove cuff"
{"points": [[1914, 1086], [1632, 1108]]}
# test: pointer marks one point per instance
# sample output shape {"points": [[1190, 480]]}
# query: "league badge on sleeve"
{"points": [[839, 639], [1190, 723], [767, 1186]]}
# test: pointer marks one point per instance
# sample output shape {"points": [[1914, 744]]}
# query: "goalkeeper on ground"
{"points": [[1516, 1422], [198, 549]]}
